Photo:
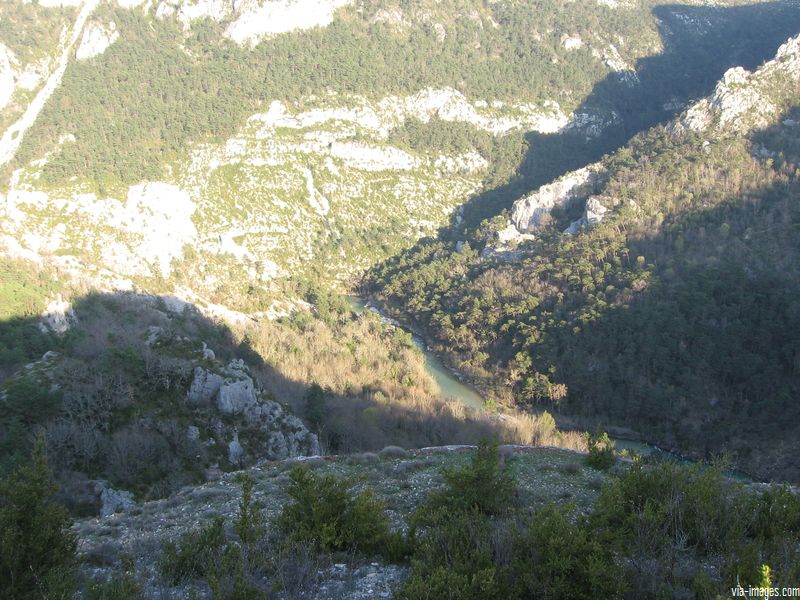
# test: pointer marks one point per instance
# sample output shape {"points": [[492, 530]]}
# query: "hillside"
{"points": [[315, 150], [541, 512], [653, 292]]}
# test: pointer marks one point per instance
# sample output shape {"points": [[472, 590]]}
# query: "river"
{"points": [[451, 387], [449, 384]]}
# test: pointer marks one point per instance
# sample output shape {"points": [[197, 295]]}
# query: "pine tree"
{"points": [[37, 549]]}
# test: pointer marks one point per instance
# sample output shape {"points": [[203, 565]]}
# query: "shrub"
{"points": [[453, 558], [249, 523], [37, 549], [561, 560], [325, 513], [484, 485], [601, 452], [195, 555], [394, 452]]}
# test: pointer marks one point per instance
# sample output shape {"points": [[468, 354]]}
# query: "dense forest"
{"points": [[676, 317], [135, 108]]}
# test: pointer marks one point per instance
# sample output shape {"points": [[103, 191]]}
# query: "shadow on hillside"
{"points": [[706, 358], [700, 44], [110, 396]]}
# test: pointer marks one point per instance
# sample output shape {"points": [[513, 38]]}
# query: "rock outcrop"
{"points": [[251, 21], [745, 100], [235, 395], [114, 501], [96, 38], [8, 75], [593, 215], [58, 316], [532, 211], [204, 386]]}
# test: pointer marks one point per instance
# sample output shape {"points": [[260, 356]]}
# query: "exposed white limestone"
{"points": [[318, 202], [8, 74], [250, 21], [571, 42], [593, 215], [58, 316], [373, 158], [532, 211], [96, 38], [446, 104], [12, 137], [256, 22], [743, 100]]}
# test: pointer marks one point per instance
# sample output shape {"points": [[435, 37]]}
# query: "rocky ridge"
{"points": [[745, 100], [287, 187]]}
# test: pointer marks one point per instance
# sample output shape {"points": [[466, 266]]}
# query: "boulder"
{"points": [[235, 451], [234, 397], [205, 385], [115, 501], [593, 215], [58, 316]]}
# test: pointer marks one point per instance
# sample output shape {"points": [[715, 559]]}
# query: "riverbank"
{"points": [[452, 386]]}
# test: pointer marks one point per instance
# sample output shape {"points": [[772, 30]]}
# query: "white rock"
{"points": [[529, 211], [741, 100], [373, 158], [58, 316], [593, 215], [208, 353], [13, 135], [235, 451], [318, 202], [258, 21], [8, 75], [96, 38], [114, 501], [205, 385], [234, 397], [571, 42]]}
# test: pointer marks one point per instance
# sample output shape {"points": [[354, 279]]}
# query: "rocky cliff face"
{"points": [[745, 100]]}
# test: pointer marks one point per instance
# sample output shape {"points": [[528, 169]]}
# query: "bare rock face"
{"points": [[204, 387], [58, 316], [251, 21], [530, 212], [7, 75], [235, 396], [743, 100], [593, 215], [96, 38], [235, 451], [114, 501]]}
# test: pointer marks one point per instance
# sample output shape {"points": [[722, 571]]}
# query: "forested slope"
{"points": [[676, 316]]}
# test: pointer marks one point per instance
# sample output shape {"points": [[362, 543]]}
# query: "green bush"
{"points": [[37, 548], [195, 555], [601, 452], [453, 558], [484, 485], [325, 512], [561, 560]]}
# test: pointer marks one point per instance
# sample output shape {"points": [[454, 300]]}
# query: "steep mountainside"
{"points": [[656, 290], [276, 141]]}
